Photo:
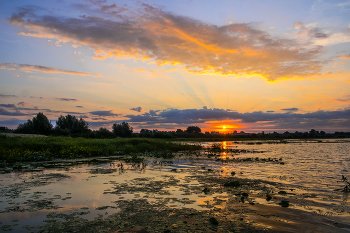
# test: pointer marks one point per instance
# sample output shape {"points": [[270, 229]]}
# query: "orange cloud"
{"points": [[239, 49], [45, 69], [23, 104], [345, 57]]}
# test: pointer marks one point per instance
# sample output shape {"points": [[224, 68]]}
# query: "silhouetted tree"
{"points": [[103, 133], [146, 133], [72, 125], [38, 125], [193, 129], [25, 127], [122, 130]]}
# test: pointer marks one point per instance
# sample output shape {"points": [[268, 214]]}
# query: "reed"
{"points": [[16, 149]]}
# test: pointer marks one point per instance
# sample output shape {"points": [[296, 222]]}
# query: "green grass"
{"points": [[14, 149]]}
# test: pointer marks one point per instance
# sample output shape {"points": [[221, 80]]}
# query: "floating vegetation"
{"points": [[347, 184], [268, 197], [284, 203], [102, 171], [213, 221], [233, 184]]}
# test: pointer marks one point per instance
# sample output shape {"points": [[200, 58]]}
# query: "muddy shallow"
{"points": [[191, 193]]}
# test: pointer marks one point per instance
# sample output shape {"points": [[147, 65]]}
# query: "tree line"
{"points": [[71, 126]]}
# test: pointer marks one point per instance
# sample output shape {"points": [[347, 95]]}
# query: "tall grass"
{"points": [[46, 148]]}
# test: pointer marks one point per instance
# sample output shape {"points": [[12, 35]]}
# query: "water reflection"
{"points": [[311, 170], [224, 145]]}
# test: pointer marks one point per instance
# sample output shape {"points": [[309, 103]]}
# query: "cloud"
{"points": [[7, 96], [33, 97], [45, 69], [79, 106], [13, 122], [7, 105], [337, 38], [3, 112], [153, 113], [345, 56], [97, 124], [23, 104], [72, 113], [342, 4], [83, 116], [290, 109], [104, 113], [67, 99], [346, 98], [149, 33], [278, 120], [309, 32], [138, 109]]}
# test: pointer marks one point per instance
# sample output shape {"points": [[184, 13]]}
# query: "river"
{"points": [[306, 173]]}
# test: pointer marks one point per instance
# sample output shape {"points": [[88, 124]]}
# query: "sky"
{"points": [[221, 65]]}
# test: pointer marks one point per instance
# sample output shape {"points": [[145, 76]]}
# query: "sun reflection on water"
{"points": [[224, 145]]}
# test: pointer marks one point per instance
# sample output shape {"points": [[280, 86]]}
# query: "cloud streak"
{"points": [[7, 96], [45, 69], [104, 113], [7, 105], [67, 99], [3, 112], [290, 109], [138, 109], [149, 33], [23, 104], [288, 119], [345, 56]]}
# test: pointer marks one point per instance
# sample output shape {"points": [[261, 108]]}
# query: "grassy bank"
{"points": [[17, 149]]}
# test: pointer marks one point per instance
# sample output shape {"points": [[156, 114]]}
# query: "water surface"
{"points": [[309, 173]]}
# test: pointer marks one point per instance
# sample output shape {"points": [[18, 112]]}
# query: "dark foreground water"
{"points": [[306, 174]]}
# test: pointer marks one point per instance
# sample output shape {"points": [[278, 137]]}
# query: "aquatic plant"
{"points": [[347, 183], [284, 203], [206, 190], [213, 221], [233, 184], [38, 149], [216, 146], [268, 197]]}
